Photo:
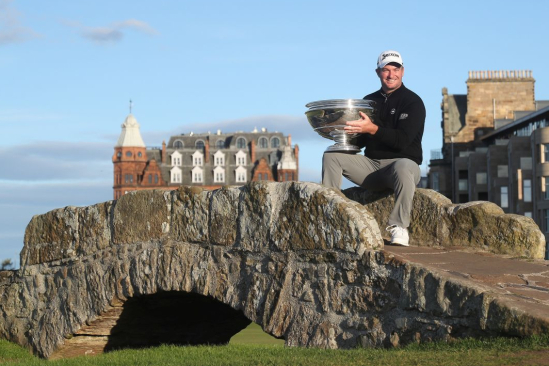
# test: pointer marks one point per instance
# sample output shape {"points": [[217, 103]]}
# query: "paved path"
{"points": [[521, 283]]}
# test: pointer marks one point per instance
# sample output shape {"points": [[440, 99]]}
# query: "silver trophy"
{"points": [[328, 117]]}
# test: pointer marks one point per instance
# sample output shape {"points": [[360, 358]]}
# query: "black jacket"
{"points": [[400, 117]]}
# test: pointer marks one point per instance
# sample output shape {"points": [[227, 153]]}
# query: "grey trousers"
{"points": [[401, 175]]}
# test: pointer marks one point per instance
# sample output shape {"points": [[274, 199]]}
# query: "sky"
{"points": [[69, 68]]}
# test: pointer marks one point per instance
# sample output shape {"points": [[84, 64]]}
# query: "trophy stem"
{"points": [[343, 142]]}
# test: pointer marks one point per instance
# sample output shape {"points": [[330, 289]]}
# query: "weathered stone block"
{"points": [[190, 220], [141, 216], [435, 221]]}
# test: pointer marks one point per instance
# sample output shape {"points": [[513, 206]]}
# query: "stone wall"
{"points": [[301, 260], [480, 225]]}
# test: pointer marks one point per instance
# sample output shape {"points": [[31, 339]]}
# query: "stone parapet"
{"points": [[479, 225]]}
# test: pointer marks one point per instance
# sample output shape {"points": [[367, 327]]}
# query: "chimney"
{"points": [[290, 140], [163, 156], [207, 150], [252, 150]]}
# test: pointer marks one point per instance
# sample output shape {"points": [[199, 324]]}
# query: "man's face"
{"points": [[391, 77]]}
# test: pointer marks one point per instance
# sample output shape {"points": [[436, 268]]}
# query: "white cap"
{"points": [[387, 57]]}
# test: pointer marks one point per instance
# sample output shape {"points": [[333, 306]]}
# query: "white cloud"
{"points": [[111, 33], [56, 161], [11, 29]]}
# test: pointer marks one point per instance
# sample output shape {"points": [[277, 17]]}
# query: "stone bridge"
{"points": [[303, 261]]}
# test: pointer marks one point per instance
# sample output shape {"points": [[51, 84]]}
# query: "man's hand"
{"points": [[362, 125]]}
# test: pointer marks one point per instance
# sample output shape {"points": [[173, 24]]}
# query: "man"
{"points": [[392, 146]]}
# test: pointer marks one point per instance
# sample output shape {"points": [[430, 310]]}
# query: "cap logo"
{"points": [[385, 55]]}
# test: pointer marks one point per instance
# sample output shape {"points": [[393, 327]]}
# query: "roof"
{"points": [[130, 135], [516, 123]]}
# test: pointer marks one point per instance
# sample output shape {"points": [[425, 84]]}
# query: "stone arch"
{"points": [[300, 260], [166, 317], [235, 245]]}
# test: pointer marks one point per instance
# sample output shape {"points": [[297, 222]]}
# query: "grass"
{"points": [[254, 348]]}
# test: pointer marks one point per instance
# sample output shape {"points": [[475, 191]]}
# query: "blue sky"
{"points": [[69, 68]]}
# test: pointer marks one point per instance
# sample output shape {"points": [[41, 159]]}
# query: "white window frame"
{"points": [[219, 175], [176, 158], [219, 158], [198, 158], [240, 158], [197, 175], [175, 175], [240, 174]]}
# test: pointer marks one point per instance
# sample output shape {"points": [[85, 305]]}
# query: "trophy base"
{"points": [[347, 148]]}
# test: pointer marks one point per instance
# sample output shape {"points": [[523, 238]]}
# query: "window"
{"points": [[175, 175], [197, 175], [150, 178], [219, 159], [241, 158], [128, 154], [156, 178], [504, 196], [220, 144], [546, 153], [198, 158], [503, 171], [263, 143], [546, 186], [176, 158], [199, 144], [481, 177], [528, 214], [128, 178], [240, 174], [275, 142], [178, 144], [286, 177], [527, 187], [241, 143], [434, 181], [139, 154], [219, 175], [462, 182]]}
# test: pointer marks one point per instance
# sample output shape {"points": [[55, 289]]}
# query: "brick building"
{"points": [[206, 160], [495, 145]]}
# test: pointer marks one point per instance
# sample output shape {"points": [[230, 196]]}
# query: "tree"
{"points": [[6, 265]]}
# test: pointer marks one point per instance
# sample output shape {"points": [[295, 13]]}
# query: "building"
{"points": [[495, 145], [206, 160]]}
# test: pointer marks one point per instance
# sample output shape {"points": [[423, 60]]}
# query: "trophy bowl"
{"points": [[329, 117]]}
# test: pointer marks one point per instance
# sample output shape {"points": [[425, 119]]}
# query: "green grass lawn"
{"points": [[253, 347]]}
